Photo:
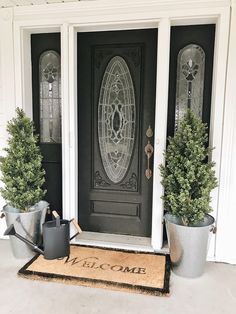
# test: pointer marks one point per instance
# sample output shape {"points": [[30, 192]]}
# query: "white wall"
{"points": [[7, 94]]}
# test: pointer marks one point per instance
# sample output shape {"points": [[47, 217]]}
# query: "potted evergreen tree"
{"points": [[23, 177], [188, 178]]}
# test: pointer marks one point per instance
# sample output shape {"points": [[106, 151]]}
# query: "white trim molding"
{"points": [[225, 240], [217, 107], [7, 86], [163, 49]]}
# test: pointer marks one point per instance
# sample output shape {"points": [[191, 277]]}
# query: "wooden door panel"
{"points": [[109, 204]]}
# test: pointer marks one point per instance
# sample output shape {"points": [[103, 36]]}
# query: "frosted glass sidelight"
{"points": [[116, 119], [50, 97], [190, 81]]}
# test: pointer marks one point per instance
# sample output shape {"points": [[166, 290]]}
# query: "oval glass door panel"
{"points": [[116, 119]]}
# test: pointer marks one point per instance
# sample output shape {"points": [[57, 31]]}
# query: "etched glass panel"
{"points": [[116, 119], [190, 81], [50, 97]]}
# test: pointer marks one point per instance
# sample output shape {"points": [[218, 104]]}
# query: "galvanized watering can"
{"points": [[56, 237]]}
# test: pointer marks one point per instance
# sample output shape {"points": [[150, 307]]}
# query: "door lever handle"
{"points": [[149, 152]]}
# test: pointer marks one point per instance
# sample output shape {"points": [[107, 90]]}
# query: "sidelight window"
{"points": [[50, 97], [190, 81]]}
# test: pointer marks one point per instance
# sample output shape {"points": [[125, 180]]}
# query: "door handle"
{"points": [[149, 152]]}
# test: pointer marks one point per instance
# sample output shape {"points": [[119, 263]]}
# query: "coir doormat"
{"points": [[105, 268]]}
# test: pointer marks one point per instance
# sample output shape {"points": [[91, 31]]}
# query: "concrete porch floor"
{"points": [[214, 292]]}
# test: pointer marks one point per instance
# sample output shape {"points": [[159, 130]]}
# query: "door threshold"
{"points": [[116, 241]]}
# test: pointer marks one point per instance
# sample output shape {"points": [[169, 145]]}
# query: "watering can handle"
{"points": [[76, 225], [55, 214], [79, 230]]}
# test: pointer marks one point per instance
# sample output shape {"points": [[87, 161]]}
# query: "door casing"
{"points": [[34, 20]]}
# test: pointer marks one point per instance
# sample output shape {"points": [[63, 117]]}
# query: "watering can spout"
{"points": [[56, 237], [11, 231]]}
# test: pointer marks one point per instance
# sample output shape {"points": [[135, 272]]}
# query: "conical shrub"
{"points": [[21, 168], [188, 177]]}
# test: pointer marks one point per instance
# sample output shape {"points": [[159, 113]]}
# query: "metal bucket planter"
{"points": [[188, 245], [28, 225]]}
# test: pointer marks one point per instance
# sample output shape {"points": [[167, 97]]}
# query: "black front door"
{"points": [[116, 100], [46, 82]]}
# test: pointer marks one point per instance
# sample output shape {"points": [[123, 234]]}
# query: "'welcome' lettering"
{"points": [[135, 270], [93, 263]]}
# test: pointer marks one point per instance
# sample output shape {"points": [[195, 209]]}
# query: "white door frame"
{"points": [[103, 15], [7, 93], [225, 236]]}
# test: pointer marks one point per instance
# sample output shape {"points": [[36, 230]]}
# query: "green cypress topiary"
{"points": [[21, 168], [187, 177]]}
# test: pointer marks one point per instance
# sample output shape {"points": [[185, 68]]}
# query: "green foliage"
{"points": [[187, 177], [21, 168]]}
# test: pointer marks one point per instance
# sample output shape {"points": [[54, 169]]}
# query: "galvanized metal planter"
{"points": [[28, 225], [188, 245]]}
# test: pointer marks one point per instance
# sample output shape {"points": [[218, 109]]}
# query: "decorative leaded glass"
{"points": [[190, 81], [50, 97], [116, 119]]}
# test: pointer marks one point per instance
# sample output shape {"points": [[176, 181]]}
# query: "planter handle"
{"points": [[213, 229], [2, 215]]}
